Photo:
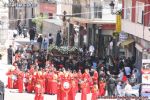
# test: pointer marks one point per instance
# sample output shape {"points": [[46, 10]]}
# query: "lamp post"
{"points": [[118, 29], [112, 5]]}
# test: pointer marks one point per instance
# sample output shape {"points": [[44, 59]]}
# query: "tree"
{"points": [[39, 22]]}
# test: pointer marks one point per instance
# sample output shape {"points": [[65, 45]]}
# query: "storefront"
{"points": [[126, 45]]}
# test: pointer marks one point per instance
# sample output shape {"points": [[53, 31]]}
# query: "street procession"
{"points": [[74, 49], [57, 70]]}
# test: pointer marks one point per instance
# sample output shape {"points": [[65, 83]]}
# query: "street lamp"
{"points": [[112, 5]]}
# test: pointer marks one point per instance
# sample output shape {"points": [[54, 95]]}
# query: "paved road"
{"points": [[13, 95]]}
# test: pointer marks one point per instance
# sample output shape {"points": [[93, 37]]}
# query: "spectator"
{"points": [[45, 43], [121, 74], [127, 71], [39, 40], [111, 86], [127, 88], [32, 34], [119, 89], [10, 54], [91, 49], [50, 39], [58, 39]]}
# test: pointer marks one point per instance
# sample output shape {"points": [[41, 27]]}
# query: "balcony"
{"points": [[136, 29]]}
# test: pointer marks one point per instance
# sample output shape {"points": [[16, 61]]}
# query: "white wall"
{"points": [[106, 11], [61, 7], [4, 26], [136, 29]]}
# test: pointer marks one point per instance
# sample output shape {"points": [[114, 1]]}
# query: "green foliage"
{"points": [[115, 34], [62, 49], [39, 21]]}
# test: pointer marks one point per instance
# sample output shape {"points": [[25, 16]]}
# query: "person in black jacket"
{"points": [[10, 54], [32, 33], [39, 40], [58, 39]]}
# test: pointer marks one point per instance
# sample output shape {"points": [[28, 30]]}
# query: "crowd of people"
{"points": [[36, 71]]}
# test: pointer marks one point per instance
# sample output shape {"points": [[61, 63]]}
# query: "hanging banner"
{"points": [[118, 23]]}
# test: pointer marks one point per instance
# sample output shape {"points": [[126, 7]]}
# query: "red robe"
{"points": [[49, 83], [59, 91], [65, 93], [54, 84], [20, 82], [39, 92], [84, 91], [102, 86], [15, 82], [9, 81], [30, 84], [88, 82], [72, 92], [95, 77], [79, 77], [94, 93]]}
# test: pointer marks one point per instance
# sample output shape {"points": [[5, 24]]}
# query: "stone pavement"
{"points": [[9, 94]]}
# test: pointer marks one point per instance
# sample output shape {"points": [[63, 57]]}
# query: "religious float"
{"points": [[63, 51]]}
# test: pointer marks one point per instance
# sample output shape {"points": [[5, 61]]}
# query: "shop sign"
{"points": [[118, 23], [123, 36], [145, 78], [145, 70], [19, 5]]}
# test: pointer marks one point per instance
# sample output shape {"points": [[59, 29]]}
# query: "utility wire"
{"points": [[74, 14]]}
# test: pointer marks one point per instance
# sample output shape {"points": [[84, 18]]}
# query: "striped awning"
{"points": [[127, 42]]}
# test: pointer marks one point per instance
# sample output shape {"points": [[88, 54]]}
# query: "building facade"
{"points": [[48, 7], [4, 23], [136, 24], [21, 12], [96, 25]]}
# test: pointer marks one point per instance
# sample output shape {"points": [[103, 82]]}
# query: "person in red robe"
{"points": [[26, 80], [44, 79], [65, 86], [84, 92], [49, 82], [94, 92], [102, 87], [15, 81], [73, 90], [39, 78], [20, 77], [54, 84], [95, 77], [10, 80], [39, 91], [59, 91], [87, 78], [79, 78], [30, 83]]}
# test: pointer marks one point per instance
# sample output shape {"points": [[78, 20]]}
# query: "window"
{"points": [[97, 10], [139, 12], [127, 10]]}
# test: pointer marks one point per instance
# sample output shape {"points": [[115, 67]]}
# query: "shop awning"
{"points": [[127, 42]]}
